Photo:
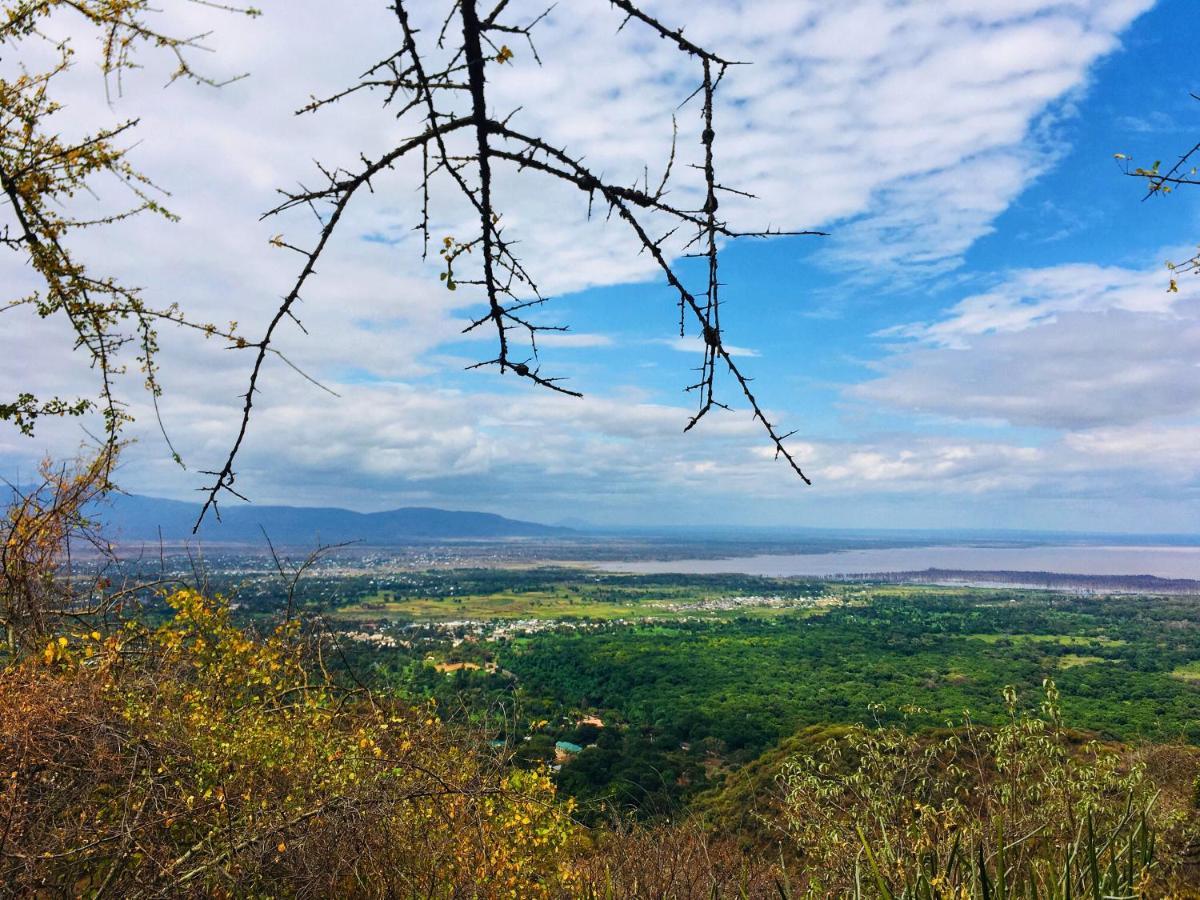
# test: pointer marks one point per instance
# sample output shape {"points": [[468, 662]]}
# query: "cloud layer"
{"points": [[907, 126], [1068, 347]]}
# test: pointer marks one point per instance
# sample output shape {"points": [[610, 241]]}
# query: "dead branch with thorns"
{"points": [[462, 141]]}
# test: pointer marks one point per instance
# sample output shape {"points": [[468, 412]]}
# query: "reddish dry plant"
{"points": [[43, 528], [198, 758], [685, 861]]}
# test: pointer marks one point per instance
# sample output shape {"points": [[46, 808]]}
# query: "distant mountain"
{"points": [[133, 518], [575, 523]]}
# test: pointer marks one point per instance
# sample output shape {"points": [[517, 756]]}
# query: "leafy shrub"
{"points": [[38, 529], [1023, 810], [198, 757]]}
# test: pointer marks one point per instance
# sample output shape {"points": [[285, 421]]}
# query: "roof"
{"points": [[568, 747]]}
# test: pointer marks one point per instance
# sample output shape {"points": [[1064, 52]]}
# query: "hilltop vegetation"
{"points": [[200, 758], [195, 758], [692, 687], [746, 738]]}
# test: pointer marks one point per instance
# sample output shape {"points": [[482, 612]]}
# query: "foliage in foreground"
{"points": [[197, 757], [201, 758], [1023, 810]]}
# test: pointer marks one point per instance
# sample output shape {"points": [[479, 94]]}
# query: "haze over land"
{"points": [[134, 520], [148, 519]]}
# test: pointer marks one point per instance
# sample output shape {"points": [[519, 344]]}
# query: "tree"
{"points": [[41, 173], [1160, 184], [438, 87]]}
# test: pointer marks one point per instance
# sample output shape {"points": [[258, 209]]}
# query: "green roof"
{"points": [[568, 747]]}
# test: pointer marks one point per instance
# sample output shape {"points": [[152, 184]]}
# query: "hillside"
{"points": [[133, 518]]}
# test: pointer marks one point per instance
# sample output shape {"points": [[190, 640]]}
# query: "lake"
{"points": [[1160, 561]]}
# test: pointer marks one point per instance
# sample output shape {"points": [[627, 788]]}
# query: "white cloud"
{"points": [[1168, 451], [1067, 347], [914, 122], [696, 345], [1037, 296], [574, 339]]}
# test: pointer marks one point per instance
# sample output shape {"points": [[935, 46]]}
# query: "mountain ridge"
{"points": [[134, 517]]}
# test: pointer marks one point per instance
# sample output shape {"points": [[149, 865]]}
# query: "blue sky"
{"points": [[983, 341]]}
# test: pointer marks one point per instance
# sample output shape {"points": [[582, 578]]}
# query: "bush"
{"points": [[1024, 810], [198, 757]]}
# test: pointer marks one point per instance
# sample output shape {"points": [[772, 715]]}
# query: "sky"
{"points": [[984, 340]]}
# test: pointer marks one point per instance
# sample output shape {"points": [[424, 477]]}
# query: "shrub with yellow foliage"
{"points": [[38, 530], [198, 757]]}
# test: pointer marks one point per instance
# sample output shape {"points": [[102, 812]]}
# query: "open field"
{"points": [[1071, 660], [1188, 672], [565, 603], [1061, 640]]}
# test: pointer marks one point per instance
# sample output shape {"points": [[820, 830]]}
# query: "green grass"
{"points": [[1063, 640], [616, 598], [1071, 660], [1188, 672], [666, 603]]}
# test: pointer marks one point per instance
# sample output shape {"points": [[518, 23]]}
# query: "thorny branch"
{"points": [[1159, 184], [42, 170], [451, 96]]}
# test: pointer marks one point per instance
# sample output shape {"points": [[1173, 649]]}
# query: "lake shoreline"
{"points": [[1177, 566]]}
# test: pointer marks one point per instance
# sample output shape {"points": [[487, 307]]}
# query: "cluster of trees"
{"points": [[686, 703]]}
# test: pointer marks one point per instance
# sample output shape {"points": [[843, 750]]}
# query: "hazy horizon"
{"points": [[720, 531]]}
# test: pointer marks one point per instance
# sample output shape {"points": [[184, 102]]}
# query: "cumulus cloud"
{"points": [[911, 125], [1069, 347]]}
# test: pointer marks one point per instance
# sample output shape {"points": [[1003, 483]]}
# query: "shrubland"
{"points": [[197, 757]]}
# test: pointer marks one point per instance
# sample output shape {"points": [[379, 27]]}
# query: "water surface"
{"points": [[1159, 561]]}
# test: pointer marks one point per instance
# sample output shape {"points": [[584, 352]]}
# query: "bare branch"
{"points": [[416, 88]]}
